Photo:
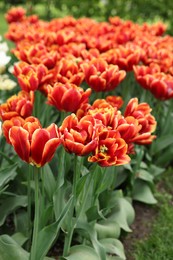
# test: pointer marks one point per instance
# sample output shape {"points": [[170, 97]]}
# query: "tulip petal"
{"points": [[19, 138], [39, 138], [49, 150]]}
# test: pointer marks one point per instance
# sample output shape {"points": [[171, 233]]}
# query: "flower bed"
{"points": [[91, 124]]}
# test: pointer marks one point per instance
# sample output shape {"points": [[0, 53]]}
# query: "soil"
{"points": [[144, 217]]}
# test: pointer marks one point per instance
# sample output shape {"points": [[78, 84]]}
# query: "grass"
{"points": [[158, 246], [3, 24]]}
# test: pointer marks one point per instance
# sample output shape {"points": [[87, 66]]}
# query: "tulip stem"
{"points": [[29, 205], [36, 217]]}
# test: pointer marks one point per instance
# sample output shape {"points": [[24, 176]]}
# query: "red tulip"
{"points": [[111, 150], [80, 136], [34, 144], [67, 97], [146, 121], [17, 105], [102, 77], [29, 76]]}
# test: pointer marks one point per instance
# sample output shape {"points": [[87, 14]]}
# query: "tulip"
{"points": [[102, 77], [34, 144], [17, 105], [80, 136], [67, 97], [15, 14], [147, 122], [29, 76], [111, 150]]}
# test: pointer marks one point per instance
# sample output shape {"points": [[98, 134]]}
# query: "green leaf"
{"points": [[20, 220], [81, 184], [49, 181], [161, 143], [11, 204], [7, 174], [144, 175], [48, 234], [93, 213], [122, 176], [10, 249], [123, 213], [82, 252], [19, 238], [113, 247], [93, 237], [155, 170], [142, 192], [107, 229], [60, 198]]}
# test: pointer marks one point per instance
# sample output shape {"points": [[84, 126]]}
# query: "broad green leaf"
{"points": [[60, 198], [11, 250], [161, 143], [107, 229], [11, 204], [163, 159], [48, 234], [142, 192], [94, 213], [82, 252], [7, 174], [123, 213], [108, 199], [113, 247], [155, 170], [122, 176], [49, 181], [20, 220], [144, 175], [19, 238], [81, 184], [93, 238], [61, 167], [47, 214]]}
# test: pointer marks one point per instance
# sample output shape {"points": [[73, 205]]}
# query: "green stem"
{"points": [[42, 188], [29, 205], [36, 217]]}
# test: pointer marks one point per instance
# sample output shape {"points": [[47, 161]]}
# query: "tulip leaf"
{"points": [[48, 234], [60, 198], [19, 238], [142, 192], [7, 174], [107, 229], [155, 170], [10, 204], [94, 213], [113, 247], [144, 175], [82, 252], [121, 176], [161, 143], [10, 249], [49, 181], [93, 238], [123, 213]]}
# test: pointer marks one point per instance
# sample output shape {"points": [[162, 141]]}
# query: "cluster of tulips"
{"points": [[56, 58], [76, 66]]}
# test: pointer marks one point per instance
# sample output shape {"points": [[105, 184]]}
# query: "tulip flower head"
{"points": [[34, 144]]}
